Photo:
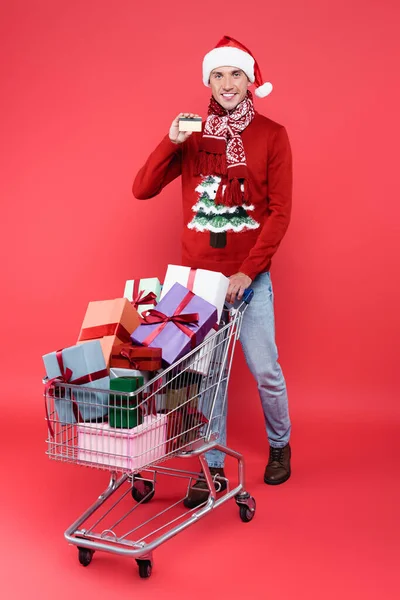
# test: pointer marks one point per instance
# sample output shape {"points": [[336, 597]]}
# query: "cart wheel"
{"points": [[246, 514], [142, 491], [85, 556], [145, 568]]}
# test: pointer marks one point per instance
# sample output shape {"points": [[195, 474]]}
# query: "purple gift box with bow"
{"points": [[178, 324]]}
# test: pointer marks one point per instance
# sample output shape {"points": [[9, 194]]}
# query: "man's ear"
{"points": [[249, 83]]}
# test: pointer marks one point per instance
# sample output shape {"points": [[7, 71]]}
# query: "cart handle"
{"points": [[248, 295]]}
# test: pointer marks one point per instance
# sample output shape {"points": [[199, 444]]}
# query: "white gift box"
{"points": [[209, 285], [126, 449], [151, 284], [118, 372]]}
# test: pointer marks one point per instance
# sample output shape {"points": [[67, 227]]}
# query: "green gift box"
{"points": [[123, 412]]}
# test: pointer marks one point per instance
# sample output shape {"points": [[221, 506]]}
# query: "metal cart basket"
{"points": [[177, 414]]}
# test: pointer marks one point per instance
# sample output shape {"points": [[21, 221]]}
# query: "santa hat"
{"points": [[231, 53]]}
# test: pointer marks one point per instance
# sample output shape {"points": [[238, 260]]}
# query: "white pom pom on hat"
{"points": [[231, 53]]}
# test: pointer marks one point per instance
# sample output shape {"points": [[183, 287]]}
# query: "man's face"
{"points": [[229, 86]]}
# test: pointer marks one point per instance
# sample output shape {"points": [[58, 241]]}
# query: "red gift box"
{"points": [[140, 358]]}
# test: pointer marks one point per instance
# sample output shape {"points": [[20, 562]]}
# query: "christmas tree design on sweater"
{"points": [[218, 218]]}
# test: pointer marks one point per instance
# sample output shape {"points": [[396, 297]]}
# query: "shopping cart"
{"points": [[178, 414]]}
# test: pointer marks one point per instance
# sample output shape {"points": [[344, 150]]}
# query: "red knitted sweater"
{"points": [[253, 231]]}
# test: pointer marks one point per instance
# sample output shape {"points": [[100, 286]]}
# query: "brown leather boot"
{"points": [[199, 492], [278, 468]]}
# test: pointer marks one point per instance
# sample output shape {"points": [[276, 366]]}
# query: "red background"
{"points": [[88, 88]]}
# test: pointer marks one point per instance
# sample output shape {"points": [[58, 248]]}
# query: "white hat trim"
{"points": [[227, 56], [264, 90]]}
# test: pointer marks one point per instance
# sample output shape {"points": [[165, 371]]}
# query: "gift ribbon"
{"points": [[135, 291], [151, 395], [99, 331], [181, 321], [135, 364], [191, 278], [65, 377], [141, 299], [190, 285]]}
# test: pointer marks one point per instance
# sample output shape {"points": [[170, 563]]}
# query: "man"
{"points": [[236, 188]]}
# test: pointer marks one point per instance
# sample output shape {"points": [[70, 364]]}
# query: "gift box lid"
{"points": [[136, 357], [103, 313], [126, 384], [136, 352], [149, 284], [82, 360], [209, 285], [120, 372], [149, 424]]}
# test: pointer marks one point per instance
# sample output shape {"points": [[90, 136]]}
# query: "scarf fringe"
{"points": [[210, 164], [233, 195], [247, 190]]}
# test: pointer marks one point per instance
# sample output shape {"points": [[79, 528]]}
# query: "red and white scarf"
{"points": [[222, 152]]}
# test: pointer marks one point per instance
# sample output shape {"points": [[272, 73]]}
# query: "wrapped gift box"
{"points": [[176, 378], [153, 393], [124, 411], [176, 338], [210, 286], [82, 360], [174, 398], [138, 357], [126, 449], [143, 293], [117, 372], [111, 321]]}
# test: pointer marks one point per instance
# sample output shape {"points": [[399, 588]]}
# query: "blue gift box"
{"points": [[82, 360]]}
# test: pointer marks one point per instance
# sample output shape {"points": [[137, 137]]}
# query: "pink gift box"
{"points": [[126, 449]]}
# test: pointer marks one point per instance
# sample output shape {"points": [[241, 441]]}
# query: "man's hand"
{"points": [[237, 284], [176, 136]]}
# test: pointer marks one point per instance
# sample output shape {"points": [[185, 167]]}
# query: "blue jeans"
{"points": [[257, 337]]}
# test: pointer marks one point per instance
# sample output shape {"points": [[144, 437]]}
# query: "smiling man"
{"points": [[236, 192]]}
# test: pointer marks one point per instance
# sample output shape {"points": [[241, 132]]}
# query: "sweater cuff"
{"points": [[248, 270], [167, 146]]}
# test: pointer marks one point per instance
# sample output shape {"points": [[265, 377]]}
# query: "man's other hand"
{"points": [[237, 284], [176, 136]]}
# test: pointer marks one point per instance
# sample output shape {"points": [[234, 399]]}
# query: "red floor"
{"points": [[330, 532]]}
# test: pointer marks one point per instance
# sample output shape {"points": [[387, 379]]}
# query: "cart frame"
{"points": [[142, 487]]}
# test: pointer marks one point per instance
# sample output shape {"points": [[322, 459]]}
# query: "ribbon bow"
{"points": [[65, 377], [152, 316], [155, 316], [140, 299], [131, 361]]}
